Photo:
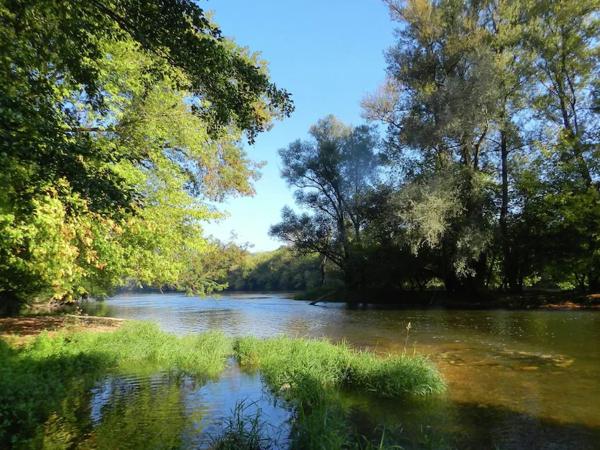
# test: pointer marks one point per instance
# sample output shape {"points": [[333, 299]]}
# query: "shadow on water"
{"points": [[444, 424]]}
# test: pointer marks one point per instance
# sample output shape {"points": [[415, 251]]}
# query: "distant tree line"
{"points": [[480, 166], [279, 270]]}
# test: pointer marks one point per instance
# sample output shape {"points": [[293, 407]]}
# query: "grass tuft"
{"points": [[291, 364], [243, 431]]}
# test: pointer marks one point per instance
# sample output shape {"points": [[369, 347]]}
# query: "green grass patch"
{"points": [[35, 379], [310, 374], [293, 364]]}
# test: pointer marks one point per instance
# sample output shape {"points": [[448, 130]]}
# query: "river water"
{"points": [[516, 379]]}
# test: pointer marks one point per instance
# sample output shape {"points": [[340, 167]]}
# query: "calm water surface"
{"points": [[516, 379]]}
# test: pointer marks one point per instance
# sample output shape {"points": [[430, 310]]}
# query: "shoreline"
{"points": [[528, 301], [20, 330]]}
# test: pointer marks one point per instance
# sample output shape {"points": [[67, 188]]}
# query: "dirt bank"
{"points": [[22, 329]]}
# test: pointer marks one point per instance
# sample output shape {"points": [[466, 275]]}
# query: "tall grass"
{"points": [[138, 345], [310, 373], [288, 363]]}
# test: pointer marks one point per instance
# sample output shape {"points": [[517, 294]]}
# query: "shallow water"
{"points": [[162, 410], [516, 379]]}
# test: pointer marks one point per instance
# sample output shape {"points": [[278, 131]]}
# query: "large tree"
{"points": [[492, 129], [119, 119], [439, 104], [332, 174]]}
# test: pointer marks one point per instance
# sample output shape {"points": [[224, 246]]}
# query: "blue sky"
{"points": [[328, 54]]}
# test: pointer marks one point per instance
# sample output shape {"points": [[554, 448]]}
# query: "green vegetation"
{"points": [[242, 431], [279, 270], [487, 176], [34, 380], [38, 381], [120, 121], [292, 364], [309, 374]]}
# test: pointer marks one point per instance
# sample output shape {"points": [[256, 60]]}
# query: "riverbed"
{"points": [[516, 379]]}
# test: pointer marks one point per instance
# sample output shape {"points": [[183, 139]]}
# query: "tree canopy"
{"points": [[120, 119]]}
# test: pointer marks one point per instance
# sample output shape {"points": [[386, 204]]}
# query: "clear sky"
{"points": [[328, 54]]}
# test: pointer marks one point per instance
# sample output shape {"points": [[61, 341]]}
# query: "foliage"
{"points": [[278, 270], [120, 119], [332, 174], [487, 176]]}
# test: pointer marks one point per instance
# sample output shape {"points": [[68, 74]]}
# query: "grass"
{"points": [[310, 374], [136, 346], [293, 364], [243, 431], [36, 378]]}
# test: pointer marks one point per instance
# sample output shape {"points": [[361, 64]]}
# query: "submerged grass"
{"points": [[35, 379]]}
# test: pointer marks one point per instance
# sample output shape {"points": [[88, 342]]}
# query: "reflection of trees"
{"points": [[122, 412], [66, 429], [149, 417]]}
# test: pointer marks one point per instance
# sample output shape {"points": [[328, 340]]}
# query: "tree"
{"points": [[119, 119], [563, 38], [277, 270], [439, 104], [481, 106], [332, 174]]}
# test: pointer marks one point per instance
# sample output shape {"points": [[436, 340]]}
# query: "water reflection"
{"points": [[162, 410], [535, 372]]}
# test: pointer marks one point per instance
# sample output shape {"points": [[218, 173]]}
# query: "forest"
{"points": [[476, 170], [478, 167]]}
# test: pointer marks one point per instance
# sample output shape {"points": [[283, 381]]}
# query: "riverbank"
{"points": [[530, 300], [23, 329]]}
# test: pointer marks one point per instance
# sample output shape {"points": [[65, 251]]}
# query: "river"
{"points": [[516, 379]]}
